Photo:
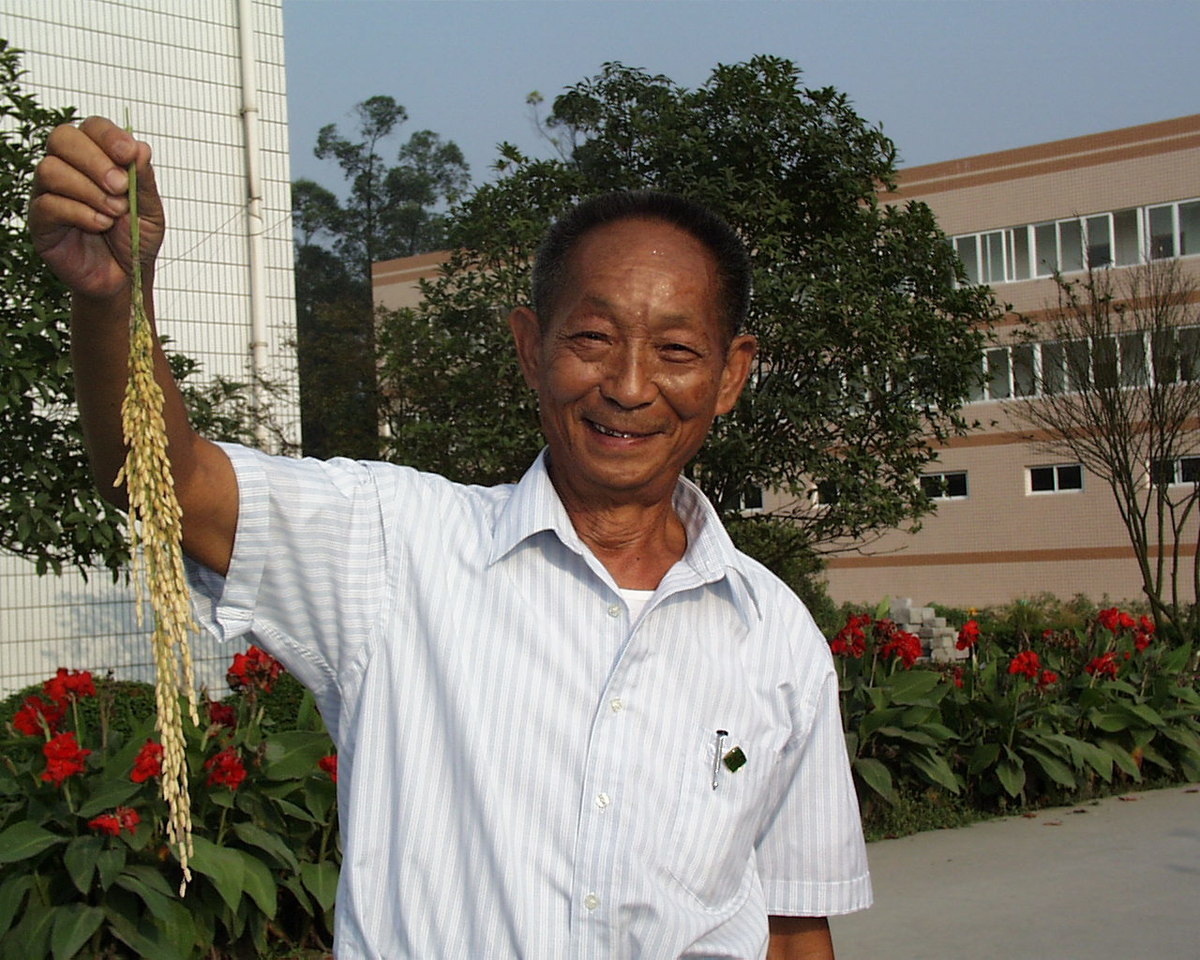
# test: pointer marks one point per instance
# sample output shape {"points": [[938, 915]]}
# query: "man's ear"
{"points": [[739, 359], [527, 334]]}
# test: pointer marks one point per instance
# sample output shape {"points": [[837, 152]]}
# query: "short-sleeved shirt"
{"points": [[524, 771]]}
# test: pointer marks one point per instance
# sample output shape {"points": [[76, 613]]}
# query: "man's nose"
{"points": [[629, 378]]}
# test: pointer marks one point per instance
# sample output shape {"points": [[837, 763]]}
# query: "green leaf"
{"points": [[320, 879], [982, 757], [74, 924], [110, 863], [170, 919], [294, 753], [271, 843], [876, 719], [937, 769], [876, 776], [107, 796], [12, 894], [1011, 774], [913, 686], [1176, 659], [31, 936], [223, 867], [259, 883], [1054, 768], [24, 840], [1122, 758], [80, 861], [912, 736]]}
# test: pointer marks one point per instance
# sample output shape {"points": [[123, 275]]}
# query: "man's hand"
{"points": [[800, 938], [79, 213]]}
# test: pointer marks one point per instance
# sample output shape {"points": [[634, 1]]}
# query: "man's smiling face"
{"points": [[633, 364]]}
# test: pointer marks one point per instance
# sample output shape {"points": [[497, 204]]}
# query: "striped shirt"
{"points": [[524, 771]]}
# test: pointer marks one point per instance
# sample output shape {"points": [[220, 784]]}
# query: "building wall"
{"points": [[175, 67], [1003, 542]]}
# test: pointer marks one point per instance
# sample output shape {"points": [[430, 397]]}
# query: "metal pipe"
{"points": [[254, 217]]}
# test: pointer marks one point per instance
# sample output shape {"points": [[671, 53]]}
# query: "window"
{"points": [[1117, 237], [1123, 361], [1180, 470], [1055, 479], [748, 500], [945, 486]]}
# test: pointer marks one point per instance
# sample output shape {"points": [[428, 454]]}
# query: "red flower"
{"points": [[968, 636], [148, 762], [112, 823], [1141, 640], [225, 769], [1026, 663], [37, 717], [1115, 620], [850, 640], [329, 765], [906, 646], [222, 714], [64, 758], [1047, 679], [956, 677], [255, 669], [1104, 665], [69, 685]]}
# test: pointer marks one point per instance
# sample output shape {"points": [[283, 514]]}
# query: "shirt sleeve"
{"points": [[811, 854], [309, 558]]}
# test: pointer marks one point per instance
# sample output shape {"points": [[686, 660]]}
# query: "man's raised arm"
{"points": [[79, 224]]}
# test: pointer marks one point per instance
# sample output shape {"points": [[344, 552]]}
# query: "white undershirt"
{"points": [[635, 600]]}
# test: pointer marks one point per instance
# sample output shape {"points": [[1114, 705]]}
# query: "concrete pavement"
{"points": [[1117, 879]]}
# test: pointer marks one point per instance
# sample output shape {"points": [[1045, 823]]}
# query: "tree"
{"points": [[1118, 390], [389, 211], [869, 338], [51, 512]]}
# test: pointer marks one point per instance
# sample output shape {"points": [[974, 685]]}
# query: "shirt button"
{"points": [[616, 704], [603, 800], [614, 610], [591, 901]]}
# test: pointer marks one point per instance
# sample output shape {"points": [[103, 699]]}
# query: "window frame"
{"points": [[943, 475], [1057, 472]]}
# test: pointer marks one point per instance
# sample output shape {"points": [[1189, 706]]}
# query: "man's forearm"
{"points": [[800, 938]]}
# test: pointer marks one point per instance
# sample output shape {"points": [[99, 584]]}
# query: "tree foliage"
{"points": [[869, 339], [51, 511], [390, 210], [1118, 390]]}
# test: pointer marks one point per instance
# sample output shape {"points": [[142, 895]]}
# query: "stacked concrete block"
{"points": [[937, 638]]}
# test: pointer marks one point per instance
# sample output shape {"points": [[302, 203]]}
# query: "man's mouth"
{"points": [[610, 432]]}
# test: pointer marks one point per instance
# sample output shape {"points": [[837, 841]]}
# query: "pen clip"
{"points": [[718, 744]]}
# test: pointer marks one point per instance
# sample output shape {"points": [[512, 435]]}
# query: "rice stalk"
{"points": [[156, 538]]}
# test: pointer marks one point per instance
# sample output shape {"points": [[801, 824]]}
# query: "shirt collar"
{"points": [[534, 507]]}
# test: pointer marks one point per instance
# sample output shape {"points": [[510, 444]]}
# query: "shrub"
{"points": [[85, 869], [1027, 720]]}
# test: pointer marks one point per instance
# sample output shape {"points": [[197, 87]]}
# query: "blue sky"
{"points": [[945, 78]]}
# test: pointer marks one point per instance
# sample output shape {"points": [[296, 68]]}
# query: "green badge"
{"points": [[735, 759]]}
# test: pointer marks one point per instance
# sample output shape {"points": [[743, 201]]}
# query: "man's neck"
{"points": [[636, 544]]}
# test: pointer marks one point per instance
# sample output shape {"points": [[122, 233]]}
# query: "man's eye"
{"points": [[679, 350]]}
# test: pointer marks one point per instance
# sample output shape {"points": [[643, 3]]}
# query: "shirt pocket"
{"points": [[710, 845]]}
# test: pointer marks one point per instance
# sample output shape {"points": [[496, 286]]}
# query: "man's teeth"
{"points": [[613, 433]]}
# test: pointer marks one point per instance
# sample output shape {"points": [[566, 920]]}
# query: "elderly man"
{"points": [[572, 720]]}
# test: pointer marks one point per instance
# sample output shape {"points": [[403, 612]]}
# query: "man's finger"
{"points": [[98, 149], [57, 177]]}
